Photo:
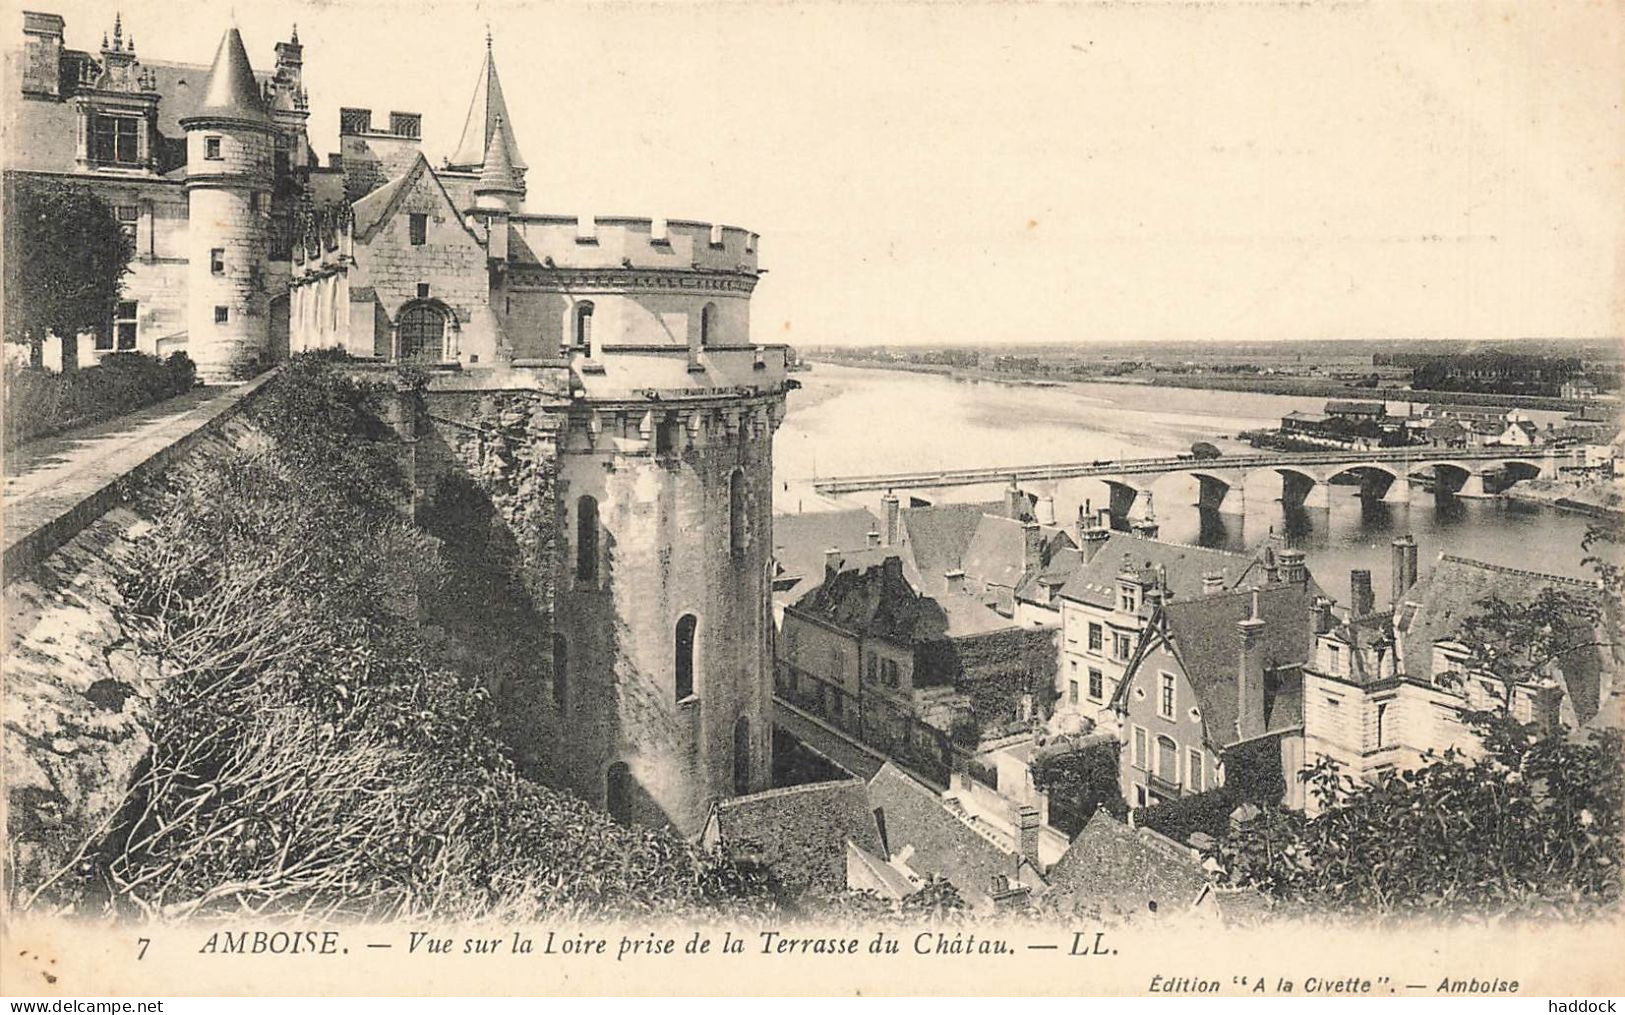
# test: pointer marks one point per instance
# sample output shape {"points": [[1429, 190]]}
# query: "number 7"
{"points": [[143, 942]]}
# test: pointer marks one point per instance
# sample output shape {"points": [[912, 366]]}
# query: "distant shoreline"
{"points": [[1250, 384]]}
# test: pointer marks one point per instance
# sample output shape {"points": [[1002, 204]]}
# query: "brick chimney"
{"points": [[1250, 675], [874, 537], [42, 54], [1361, 599], [1325, 619], [1212, 582], [1027, 820], [955, 579], [1293, 569], [1404, 567], [1091, 535], [889, 507], [1032, 547], [1272, 573]]}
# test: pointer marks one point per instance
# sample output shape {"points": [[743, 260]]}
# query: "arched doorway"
{"points": [[423, 333]]}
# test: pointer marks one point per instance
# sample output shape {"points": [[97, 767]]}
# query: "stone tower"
{"points": [[229, 167]]}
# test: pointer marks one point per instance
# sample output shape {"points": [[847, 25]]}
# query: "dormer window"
{"points": [[211, 149], [1334, 658], [118, 140], [1128, 599]]}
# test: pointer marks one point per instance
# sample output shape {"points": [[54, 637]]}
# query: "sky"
{"points": [[1026, 172]]}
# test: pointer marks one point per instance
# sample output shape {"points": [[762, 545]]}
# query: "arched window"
{"points": [[685, 655], [742, 756], [618, 793], [1167, 760], [708, 324], [581, 326], [561, 677], [587, 541], [423, 333], [738, 519]]}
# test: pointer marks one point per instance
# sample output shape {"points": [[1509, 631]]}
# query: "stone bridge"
{"points": [[1305, 478]]}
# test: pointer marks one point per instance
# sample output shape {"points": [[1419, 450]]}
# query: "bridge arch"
{"points": [[1448, 476], [1376, 478]]}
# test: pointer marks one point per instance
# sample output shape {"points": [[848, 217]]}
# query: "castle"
{"points": [[592, 379]]}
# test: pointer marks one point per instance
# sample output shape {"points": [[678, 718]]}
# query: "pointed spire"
{"points": [[231, 90], [293, 37], [484, 114], [499, 185], [118, 30]]}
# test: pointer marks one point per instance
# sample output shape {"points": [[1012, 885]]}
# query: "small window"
{"points": [[1167, 760], [738, 517], [1334, 658], [1194, 760], [1122, 645], [618, 793], [889, 672], [124, 325], [128, 215], [1096, 638], [685, 656], [561, 663], [668, 434], [1382, 715], [211, 148], [587, 541], [1139, 748], [419, 228], [217, 261], [221, 315], [423, 290], [1072, 692], [708, 324], [581, 327], [1165, 696], [1097, 684], [1128, 600], [872, 669]]}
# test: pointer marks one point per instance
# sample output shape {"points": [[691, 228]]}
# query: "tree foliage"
{"points": [[1531, 828], [65, 259], [1079, 782]]}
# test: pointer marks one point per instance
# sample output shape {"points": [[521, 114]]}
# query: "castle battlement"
{"points": [[571, 241]]}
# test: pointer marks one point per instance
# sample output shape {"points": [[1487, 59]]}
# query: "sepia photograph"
{"points": [[818, 498]]}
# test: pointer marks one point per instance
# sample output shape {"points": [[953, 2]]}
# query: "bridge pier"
{"points": [[1123, 498], [1473, 488], [1296, 489], [1234, 501], [1398, 492], [1318, 496]]}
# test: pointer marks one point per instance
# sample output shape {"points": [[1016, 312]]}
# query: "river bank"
{"points": [[1300, 387], [1599, 498]]}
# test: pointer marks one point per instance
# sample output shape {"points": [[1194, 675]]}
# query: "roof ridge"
{"points": [[784, 791], [1523, 572]]}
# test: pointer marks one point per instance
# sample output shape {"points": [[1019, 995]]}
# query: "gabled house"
{"points": [[808, 836], [1213, 694], [1104, 608]]}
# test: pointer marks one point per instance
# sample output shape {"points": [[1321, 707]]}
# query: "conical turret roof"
{"points": [[231, 90], [487, 115], [497, 174]]}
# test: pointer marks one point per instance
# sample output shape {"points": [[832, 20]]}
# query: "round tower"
{"points": [[229, 175], [663, 656]]}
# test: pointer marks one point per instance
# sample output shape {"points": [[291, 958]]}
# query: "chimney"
{"points": [[1272, 574], [1212, 581], [955, 579], [892, 568], [1362, 601], [1091, 535], [832, 562], [1404, 567], [1015, 502], [1046, 510], [1293, 570], [889, 507], [42, 54], [1325, 619], [1027, 818], [1032, 547], [873, 537], [1250, 676]]}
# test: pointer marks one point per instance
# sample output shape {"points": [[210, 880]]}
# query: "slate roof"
{"points": [[799, 542], [487, 114], [1204, 637], [231, 90], [938, 536], [1451, 592], [876, 601], [1122, 871], [1335, 408], [1096, 582], [927, 838], [997, 554], [801, 832]]}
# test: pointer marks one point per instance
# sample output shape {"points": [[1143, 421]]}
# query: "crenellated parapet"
{"points": [[551, 246]]}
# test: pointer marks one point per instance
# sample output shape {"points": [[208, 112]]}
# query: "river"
{"points": [[850, 420]]}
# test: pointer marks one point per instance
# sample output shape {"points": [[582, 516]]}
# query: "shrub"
{"points": [[39, 402], [1208, 813]]}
